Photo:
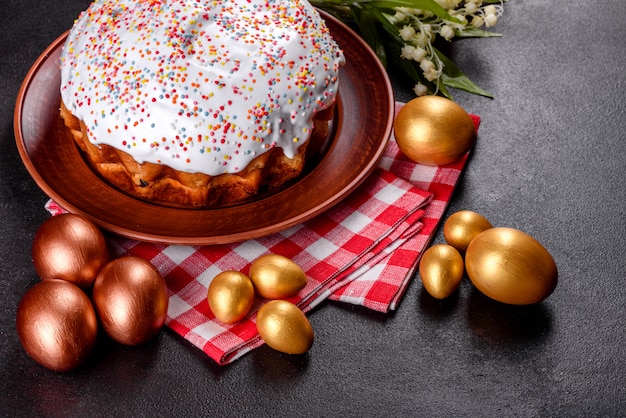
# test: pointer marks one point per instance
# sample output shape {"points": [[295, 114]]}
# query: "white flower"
{"points": [[430, 71], [446, 32], [407, 32], [419, 54], [420, 89], [431, 75], [471, 8], [490, 10], [478, 21], [407, 52], [421, 39], [448, 4], [490, 20], [399, 17], [427, 65], [410, 52]]}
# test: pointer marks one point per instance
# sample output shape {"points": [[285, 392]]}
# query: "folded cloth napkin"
{"points": [[381, 287], [363, 251]]}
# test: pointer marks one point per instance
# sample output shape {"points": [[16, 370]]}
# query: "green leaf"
{"points": [[443, 90], [471, 32], [383, 20], [453, 77], [427, 5], [369, 32]]}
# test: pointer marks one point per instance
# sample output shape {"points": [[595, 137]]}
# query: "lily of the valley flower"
{"points": [[446, 32], [412, 32], [418, 29]]}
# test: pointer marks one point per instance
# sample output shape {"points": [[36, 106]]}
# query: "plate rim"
{"points": [[276, 226]]}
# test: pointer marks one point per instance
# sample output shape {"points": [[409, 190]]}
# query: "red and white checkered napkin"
{"points": [[382, 286], [362, 251]]}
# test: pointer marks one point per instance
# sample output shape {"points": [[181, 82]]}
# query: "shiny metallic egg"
{"points": [[510, 266], [433, 130], [69, 247], [230, 296], [131, 300], [276, 277], [441, 270], [462, 227], [284, 327], [56, 324]]}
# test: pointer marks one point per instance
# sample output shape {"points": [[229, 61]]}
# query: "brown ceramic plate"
{"points": [[362, 128]]}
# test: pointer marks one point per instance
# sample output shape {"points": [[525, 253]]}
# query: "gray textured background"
{"points": [[549, 160]]}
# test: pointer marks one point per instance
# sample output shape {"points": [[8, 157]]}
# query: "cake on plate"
{"points": [[198, 103]]}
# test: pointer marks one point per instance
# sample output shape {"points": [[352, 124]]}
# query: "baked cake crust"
{"points": [[162, 184]]}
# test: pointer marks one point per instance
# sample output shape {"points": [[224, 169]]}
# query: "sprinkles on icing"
{"points": [[200, 86]]}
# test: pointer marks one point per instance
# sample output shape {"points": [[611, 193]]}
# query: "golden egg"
{"points": [[56, 324], [276, 277], [433, 130], [230, 296], [510, 266], [284, 327], [131, 300], [441, 270], [462, 227], [69, 247]]}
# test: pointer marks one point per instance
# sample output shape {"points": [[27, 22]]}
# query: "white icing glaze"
{"points": [[200, 86]]}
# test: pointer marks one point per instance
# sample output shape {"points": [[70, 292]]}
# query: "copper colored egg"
{"points": [[510, 266], [230, 296], [131, 300], [433, 130], [462, 227], [276, 277], [69, 247], [284, 327], [57, 325], [441, 270]]}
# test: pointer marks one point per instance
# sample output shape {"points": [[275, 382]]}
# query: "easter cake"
{"points": [[198, 103]]}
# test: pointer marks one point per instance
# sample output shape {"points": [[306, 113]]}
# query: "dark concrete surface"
{"points": [[549, 160]]}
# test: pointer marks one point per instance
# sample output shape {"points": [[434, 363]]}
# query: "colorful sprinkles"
{"points": [[201, 86]]}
